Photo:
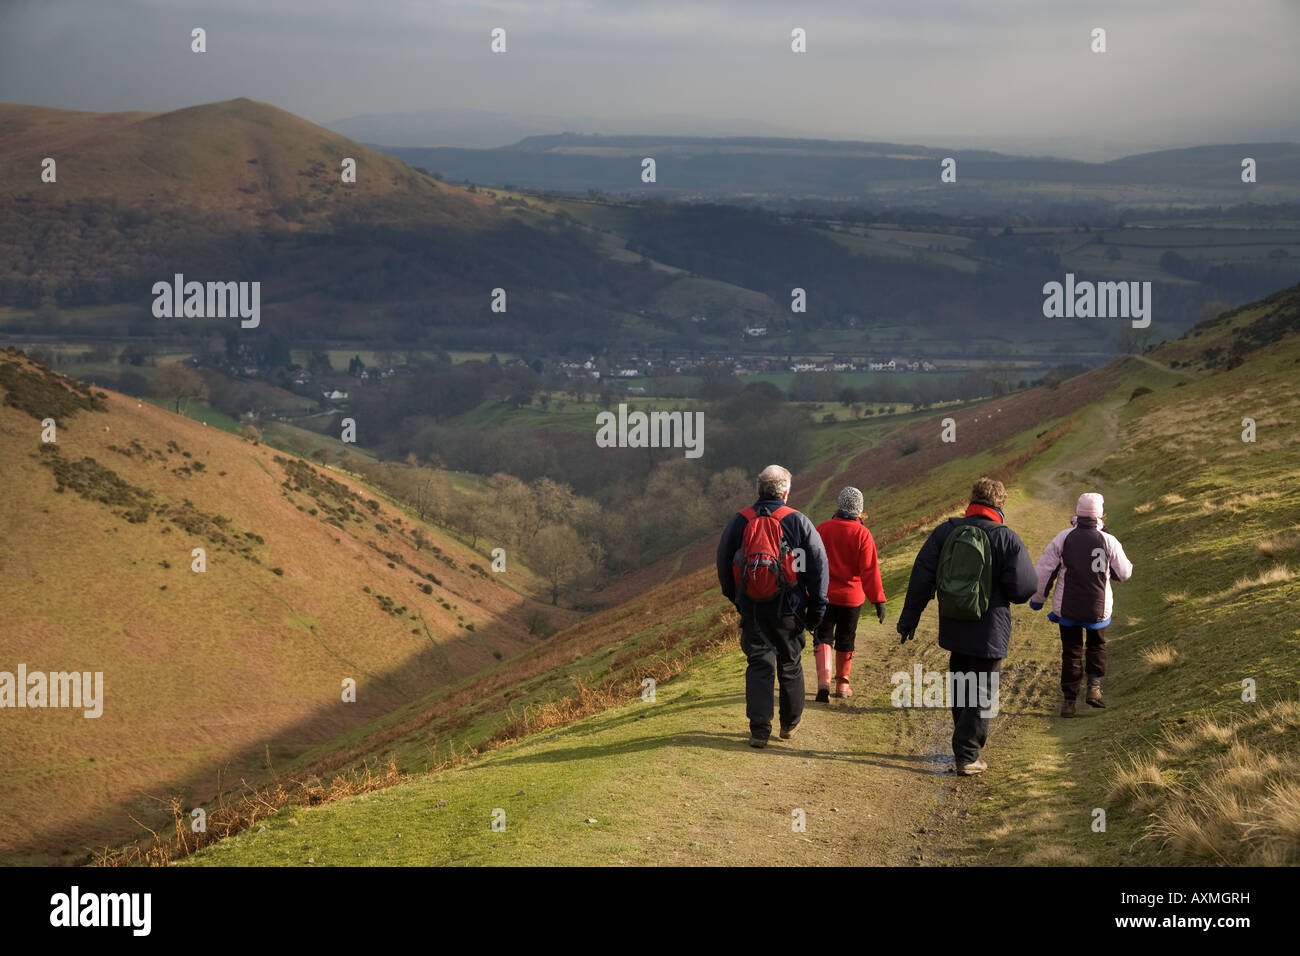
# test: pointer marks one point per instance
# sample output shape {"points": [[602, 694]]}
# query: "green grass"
{"points": [[199, 412], [609, 769]]}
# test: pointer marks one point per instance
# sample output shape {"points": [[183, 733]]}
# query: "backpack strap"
{"points": [[749, 514], [782, 511]]}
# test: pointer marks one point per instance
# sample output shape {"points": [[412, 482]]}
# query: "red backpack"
{"points": [[764, 564]]}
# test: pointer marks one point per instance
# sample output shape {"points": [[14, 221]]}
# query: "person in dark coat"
{"points": [[772, 633], [977, 646]]}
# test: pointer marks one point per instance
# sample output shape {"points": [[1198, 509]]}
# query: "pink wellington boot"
{"points": [[822, 652], [843, 664]]}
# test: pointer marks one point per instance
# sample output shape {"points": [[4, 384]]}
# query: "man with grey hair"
{"points": [[772, 566]]}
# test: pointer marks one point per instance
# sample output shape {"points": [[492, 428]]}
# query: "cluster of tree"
{"points": [[571, 541], [747, 429]]}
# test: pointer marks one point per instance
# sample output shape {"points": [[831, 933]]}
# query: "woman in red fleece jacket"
{"points": [[855, 579]]}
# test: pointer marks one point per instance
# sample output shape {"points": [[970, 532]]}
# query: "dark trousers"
{"points": [[1073, 655], [773, 643], [970, 729], [838, 627]]}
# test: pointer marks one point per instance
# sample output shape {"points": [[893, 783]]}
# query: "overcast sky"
{"points": [[1013, 75]]}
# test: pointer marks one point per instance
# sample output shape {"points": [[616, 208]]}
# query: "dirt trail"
{"points": [[1054, 486], [861, 777]]}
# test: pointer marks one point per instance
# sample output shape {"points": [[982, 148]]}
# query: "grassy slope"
{"points": [[211, 673], [671, 781]]}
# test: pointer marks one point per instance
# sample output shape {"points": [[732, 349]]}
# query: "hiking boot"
{"points": [[788, 732], [1094, 696], [758, 742], [1067, 707], [972, 768], [823, 695]]}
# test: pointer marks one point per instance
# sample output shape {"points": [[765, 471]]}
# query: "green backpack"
{"points": [[965, 578]]}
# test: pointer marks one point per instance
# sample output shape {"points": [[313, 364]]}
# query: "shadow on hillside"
{"points": [[383, 694], [912, 763]]}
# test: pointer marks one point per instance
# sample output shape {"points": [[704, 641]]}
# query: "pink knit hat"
{"points": [[1091, 505]]}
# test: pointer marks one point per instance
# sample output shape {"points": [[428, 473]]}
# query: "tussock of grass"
{"points": [[1274, 575], [1177, 743], [1198, 827], [1278, 545], [1237, 503], [1175, 597], [1159, 657], [1137, 781], [1172, 499], [1209, 729], [1278, 826], [1241, 806], [1144, 508]]}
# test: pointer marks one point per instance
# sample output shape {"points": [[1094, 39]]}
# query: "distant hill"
{"points": [[778, 171], [488, 129], [234, 159]]}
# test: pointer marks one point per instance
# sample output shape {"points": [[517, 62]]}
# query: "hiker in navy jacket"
{"points": [[976, 646], [771, 634]]}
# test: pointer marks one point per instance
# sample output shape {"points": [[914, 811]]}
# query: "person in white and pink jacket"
{"points": [[1080, 562]]}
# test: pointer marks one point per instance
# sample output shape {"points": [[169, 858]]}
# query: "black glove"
{"points": [[880, 611], [907, 632], [813, 622]]}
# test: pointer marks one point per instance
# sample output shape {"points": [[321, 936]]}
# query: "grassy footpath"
{"points": [[663, 782]]}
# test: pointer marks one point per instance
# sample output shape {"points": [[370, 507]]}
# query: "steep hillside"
{"points": [[237, 159], [214, 677], [1185, 768]]}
